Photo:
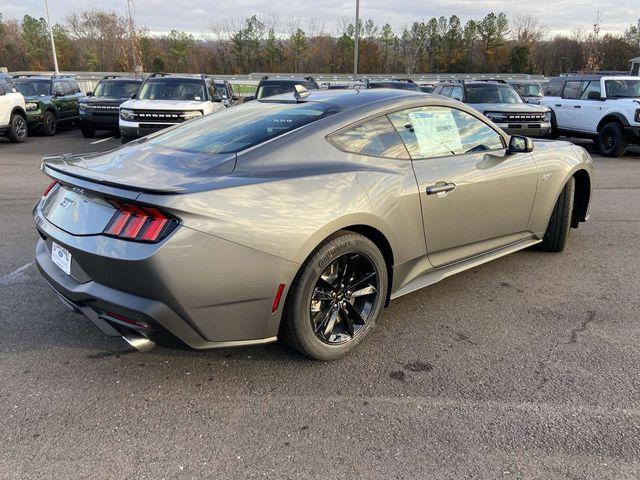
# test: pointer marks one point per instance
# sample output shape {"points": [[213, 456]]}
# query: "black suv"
{"points": [[225, 90], [50, 100], [269, 87], [100, 108], [397, 83]]}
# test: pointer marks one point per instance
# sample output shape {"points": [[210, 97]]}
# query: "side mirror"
{"points": [[235, 97], [132, 96], [594, 96], [520, 144], [248, 98], [89, 94], [217, 98], [57, 93]]}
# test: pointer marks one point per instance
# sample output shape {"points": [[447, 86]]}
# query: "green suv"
{"points": [[50, 100]]}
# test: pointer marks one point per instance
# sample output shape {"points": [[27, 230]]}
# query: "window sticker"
{"points": [[436, 132]]}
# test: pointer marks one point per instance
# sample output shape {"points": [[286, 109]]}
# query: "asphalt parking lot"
{"points": [[526, 367]]}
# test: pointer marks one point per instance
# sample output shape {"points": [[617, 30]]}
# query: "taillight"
{"points": [[48, 189], [136, 222]]}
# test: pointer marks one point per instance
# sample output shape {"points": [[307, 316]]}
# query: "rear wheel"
{"points": [[557, 234], [611, 140], [336, 298], [87, 131], [554, 134], [49, 124], [17, 128]]}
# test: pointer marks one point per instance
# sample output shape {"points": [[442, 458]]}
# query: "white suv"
{"points": [[13, 116], [165, 100], [603, 107]]}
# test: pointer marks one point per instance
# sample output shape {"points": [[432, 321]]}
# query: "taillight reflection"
{"points": [[49, 188], [135, 222]]}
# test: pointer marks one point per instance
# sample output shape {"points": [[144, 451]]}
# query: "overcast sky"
{"points": [[196, 16]]}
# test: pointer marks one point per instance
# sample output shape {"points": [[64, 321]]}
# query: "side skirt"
{"points": [[435, 275]]}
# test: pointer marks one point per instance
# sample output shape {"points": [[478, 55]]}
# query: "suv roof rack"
{"points": [[489, 80]]}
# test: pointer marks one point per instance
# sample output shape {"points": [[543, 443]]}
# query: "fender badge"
{"points": [[546, 177]]}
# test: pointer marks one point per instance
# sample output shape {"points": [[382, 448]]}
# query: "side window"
{"points": [[2, 90], [571, 90], [437, 90], [430, 132], [456, 93], [58, 87], [376, 138], [553, 89], [446, 91], [587, 87], [212, 90], [231, 92], [74, 86], [7, 85]]}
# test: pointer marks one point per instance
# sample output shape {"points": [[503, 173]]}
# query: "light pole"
{"points": [[357, 35], [53, 44]]}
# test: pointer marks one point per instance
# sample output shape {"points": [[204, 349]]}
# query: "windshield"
{"points": [[528, 89], [397, 85], [492, 93], [172, 89], [32, 88], [238, 128], [116, 89], [622, 88]]}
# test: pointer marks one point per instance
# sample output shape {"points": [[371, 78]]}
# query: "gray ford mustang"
{"points": [[299, 216]]}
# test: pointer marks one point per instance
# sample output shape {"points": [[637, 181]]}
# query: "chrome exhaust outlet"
{"points": [[140, 343]]}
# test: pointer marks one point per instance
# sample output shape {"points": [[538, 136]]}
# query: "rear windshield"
{"points": [[117, 89], [32, 88], [234, 129], [172, 89], [492, 93], [528, 89]]}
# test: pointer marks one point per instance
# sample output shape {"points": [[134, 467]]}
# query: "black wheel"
{"points": [[88, 132], [49, 124], [554, 134], [17, 128], [557, 234], [611, 140], [336, 297]]}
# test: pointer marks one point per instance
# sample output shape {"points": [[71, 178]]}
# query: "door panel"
{"points": [[474, 196]]}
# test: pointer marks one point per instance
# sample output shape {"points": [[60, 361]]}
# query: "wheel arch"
{"points": [[20, 111], [612, 117], [582, 197]]}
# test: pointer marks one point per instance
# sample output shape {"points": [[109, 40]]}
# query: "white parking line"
{"points": [[13, 277], [103, 140]]}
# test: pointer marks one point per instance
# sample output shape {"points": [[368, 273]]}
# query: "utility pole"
{"points": [[53, 44], [357, 41], [136, 55]]}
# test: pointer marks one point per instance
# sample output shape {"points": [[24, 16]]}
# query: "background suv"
{"points": [[531, 92], [165, 100], [225, 90], [396, 83], [269, 87], [500, 103], [100, 108], [603, 107], [50, 99], [13, 117]]}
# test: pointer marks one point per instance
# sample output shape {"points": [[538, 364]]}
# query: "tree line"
{"points": [[101, 40]]}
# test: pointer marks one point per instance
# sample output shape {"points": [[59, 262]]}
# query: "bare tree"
{"points": [[528, 29]]}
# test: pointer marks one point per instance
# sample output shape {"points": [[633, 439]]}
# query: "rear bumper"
{"points": [[175, 288], [527, 130]]}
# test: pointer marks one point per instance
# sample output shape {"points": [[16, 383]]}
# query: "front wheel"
{"points": [[17, 128], [336, 297], [557, 234], [611, 140], [49, 124]]}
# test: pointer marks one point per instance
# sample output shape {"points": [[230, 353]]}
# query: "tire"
{"points": [[557, 234], [49, 124], [334, 310], [124, 139], [611, 140], [17, 128], [88, 132], [554, 134]]}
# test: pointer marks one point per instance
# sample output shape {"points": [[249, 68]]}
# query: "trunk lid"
{"points": [[142, 167]]}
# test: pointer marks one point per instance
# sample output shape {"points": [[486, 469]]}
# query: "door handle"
{"points": [[440, 189], [577, 106], [558, 104]]}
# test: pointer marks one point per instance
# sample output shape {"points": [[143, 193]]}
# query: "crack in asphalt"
{"points": [[573, 337]]}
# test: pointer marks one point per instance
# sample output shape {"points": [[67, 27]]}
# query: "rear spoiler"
{"points": [[55, 167]]}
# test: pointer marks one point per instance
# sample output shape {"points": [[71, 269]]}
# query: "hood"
{"points": [[163, 104], [509, 107], [140, 166]]}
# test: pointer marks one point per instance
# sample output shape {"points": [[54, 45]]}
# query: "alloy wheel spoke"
{"points": [[361, 280], [321, 295], [368, 290], [353, 314], [348, 321], [331, 323], [319, 326]]}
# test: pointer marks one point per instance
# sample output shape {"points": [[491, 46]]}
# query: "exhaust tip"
{"points": [[140, 343]]}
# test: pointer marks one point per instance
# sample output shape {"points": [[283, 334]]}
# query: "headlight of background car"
{"points": [[193, 114], [547, 117], [83, 107], [126, 114], [31, 106]]}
